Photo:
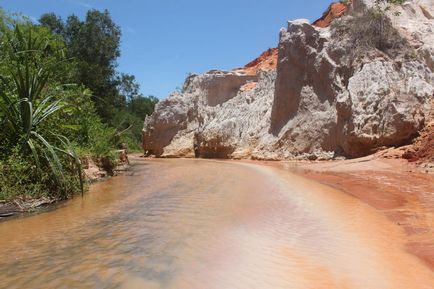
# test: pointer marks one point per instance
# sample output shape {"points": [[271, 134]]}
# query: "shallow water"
{"points": [[208, 224]]}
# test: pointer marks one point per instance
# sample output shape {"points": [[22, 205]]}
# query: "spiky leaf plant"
{"points": [[26, 106]]}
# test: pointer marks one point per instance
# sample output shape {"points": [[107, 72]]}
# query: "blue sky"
{"points": [[163, 40]]}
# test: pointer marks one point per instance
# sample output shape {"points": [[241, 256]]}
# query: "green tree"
{"points": [[53, 22], [95, 45], [137, 104], [137, 108], [142, 106], [128, 87]]}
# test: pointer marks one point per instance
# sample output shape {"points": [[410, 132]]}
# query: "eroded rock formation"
{"points": [[266, 61], [309, 98], [335, 10]]}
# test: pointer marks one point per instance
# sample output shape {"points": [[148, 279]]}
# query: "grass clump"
{"points": [[370, 28]]}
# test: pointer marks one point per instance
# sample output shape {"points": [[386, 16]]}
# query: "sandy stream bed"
{"points": [[393, 187]]}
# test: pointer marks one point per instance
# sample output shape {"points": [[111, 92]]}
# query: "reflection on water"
{"points": [[206, 224]]}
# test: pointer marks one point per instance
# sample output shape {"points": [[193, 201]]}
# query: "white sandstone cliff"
{"points": [[317, 103]]}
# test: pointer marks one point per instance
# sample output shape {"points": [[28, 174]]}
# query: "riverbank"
{"points": [[94, 169], [401, 191]]}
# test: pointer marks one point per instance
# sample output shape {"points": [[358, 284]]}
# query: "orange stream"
{"points": [[208, 224]]}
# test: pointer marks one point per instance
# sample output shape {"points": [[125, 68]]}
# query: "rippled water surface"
{"points": [[208, 224]]}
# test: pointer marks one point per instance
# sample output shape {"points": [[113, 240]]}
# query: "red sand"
{"points": [[393, 187], [266, 61], [334, 11]]}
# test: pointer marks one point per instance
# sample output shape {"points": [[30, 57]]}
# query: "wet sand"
{"points": [[393, 187], [210, 224]]}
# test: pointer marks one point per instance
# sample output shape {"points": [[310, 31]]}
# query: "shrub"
{"points": [[26, 106], [17, 177], [20, 178], [371, 29]]}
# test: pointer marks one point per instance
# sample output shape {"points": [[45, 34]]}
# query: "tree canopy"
{"points": [[94, 45]]}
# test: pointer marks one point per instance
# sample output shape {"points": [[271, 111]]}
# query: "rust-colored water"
{"points": [[208, 224]]}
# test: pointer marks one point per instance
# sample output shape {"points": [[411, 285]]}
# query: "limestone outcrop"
{"points": [[312, 98]]}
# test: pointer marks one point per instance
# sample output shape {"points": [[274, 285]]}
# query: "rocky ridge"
{"points": [[306, 99]]}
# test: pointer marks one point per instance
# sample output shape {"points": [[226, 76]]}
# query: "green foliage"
{"points": [[20, 178], [101, 137], [53, 22], [61, 99], [31, 60], [17, 176], [94, 45], [141, 106]]}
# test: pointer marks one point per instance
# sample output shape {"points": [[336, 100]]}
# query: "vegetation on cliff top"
{"points": [[370, 28]]}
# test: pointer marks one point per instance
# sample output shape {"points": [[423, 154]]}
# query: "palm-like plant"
{"points": [[28, 107]]}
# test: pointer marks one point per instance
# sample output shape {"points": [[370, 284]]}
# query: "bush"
{"points": [[370, 29], [19, 177], [30, 59]]}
